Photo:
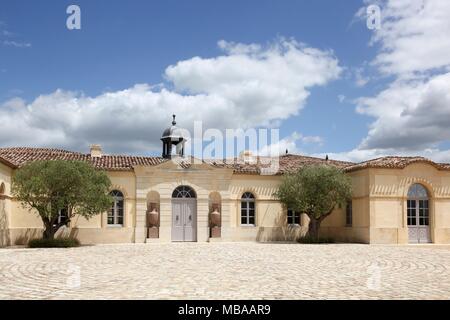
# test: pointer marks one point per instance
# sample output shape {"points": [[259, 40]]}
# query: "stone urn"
{"points": [[215, 217], [153, 217]]}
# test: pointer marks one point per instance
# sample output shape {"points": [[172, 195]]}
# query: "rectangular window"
{"points": [[349, 214], [423, 213], [248, 213], [293, 217], [62, 216], [119, 216], [411, 212], [244, 216], [111, 216], [115, 214]]}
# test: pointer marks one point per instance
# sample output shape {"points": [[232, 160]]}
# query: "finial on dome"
{"points": [[174, 122]]}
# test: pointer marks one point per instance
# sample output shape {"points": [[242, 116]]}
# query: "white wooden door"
{"points": [[184, 217], [418, 221]]}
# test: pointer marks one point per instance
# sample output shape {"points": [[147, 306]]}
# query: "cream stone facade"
{"points": [[383, 208]]}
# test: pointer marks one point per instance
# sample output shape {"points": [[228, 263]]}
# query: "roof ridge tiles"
{"points": [[18, 156]]}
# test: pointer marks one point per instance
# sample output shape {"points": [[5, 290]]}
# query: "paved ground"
{"points": [[227, 271]]}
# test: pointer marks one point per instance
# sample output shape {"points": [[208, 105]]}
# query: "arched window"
{"points": [[115, 214], [248, 209], [183, 192], [2, 188], [417, 206], [417, 191]]}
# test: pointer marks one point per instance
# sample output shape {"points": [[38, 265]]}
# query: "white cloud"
{"points": [[294, 143], [7, 33], [17, 44], [413, 36], [10, 39], [261, 84], [358, 155], [412, 113], [341, 98], [247, 86], [360, 79]]}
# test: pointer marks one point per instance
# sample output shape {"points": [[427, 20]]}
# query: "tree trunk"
{"points": [[51, 229], [49, 232], [313, 227]]}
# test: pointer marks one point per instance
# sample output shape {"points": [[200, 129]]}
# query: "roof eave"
{"points": [[8, 163]]}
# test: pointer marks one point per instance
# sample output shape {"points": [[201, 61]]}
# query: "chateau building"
{"points": [[162, 199]]}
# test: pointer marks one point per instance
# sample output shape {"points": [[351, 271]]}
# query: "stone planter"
{"points": [[153, 223], [215, 218], [215, 222], [215, 232], [153, 218], [153, 233]]}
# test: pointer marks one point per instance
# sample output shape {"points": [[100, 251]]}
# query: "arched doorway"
{"points": [[184, 214], [418, 214]]}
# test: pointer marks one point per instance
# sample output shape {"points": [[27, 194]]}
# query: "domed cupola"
{"points": [[172, 136]]}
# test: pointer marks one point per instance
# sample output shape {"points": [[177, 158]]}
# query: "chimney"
{"points": [[96, 151], [247, 156]]}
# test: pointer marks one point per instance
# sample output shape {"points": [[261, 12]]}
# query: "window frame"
{"points": [[247, 199], [349, 214], [114, 211], [290, 213], [184, 192], [60, 215], [418, 206]]}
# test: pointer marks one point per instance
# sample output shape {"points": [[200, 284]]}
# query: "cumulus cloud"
{"points": [[358, 155], [413, 36], [261, 84], [292, 143], [289, 143], [412, 113], [247, 86]]}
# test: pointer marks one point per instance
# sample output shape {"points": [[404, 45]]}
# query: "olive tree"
{"points": [[315, 191], [54, 185]]}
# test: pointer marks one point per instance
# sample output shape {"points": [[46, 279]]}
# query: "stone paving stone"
{"points": [[227, 271]]}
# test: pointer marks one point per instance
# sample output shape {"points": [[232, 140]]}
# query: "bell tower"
{"points": [[172, 137]]}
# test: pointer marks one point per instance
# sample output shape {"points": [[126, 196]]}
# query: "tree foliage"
{"points": [[315, 191], [55, 185]]}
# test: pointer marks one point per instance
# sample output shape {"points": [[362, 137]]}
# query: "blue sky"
{"points": [[125, 43]]}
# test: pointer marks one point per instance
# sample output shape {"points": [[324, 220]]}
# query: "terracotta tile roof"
{"points": [[393, 162], [20, 156], [291, 162], [17, 157], [287, 163]]}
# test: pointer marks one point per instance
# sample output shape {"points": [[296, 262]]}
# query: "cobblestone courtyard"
{"points": [[227, 271]]}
